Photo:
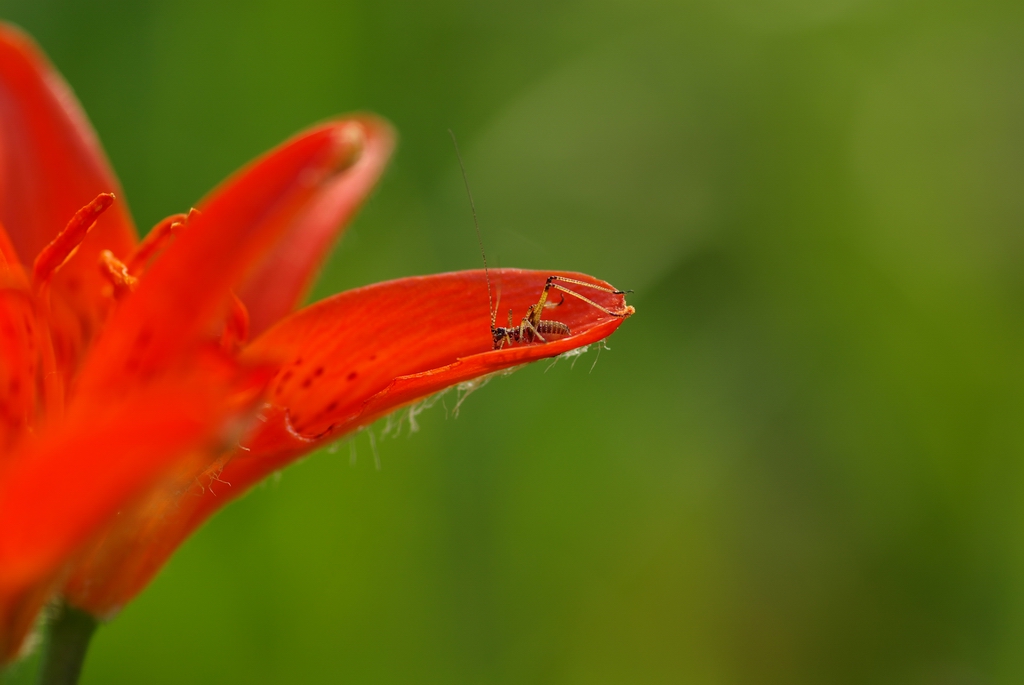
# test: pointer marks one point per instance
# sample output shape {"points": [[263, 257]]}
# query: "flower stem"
{"points": [[67, 639]]}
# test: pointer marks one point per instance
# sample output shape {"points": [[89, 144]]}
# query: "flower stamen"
{"points": [[60, 249], [116, 271], [155, 241]]}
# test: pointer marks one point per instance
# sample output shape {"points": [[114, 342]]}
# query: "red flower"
{"points": [[134, 374]]}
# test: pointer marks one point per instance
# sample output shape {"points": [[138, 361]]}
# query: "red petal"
{"points": [[60, 493], [19, 370], [282, 281], [185, 293], [51, 165], [347, 361], [354, 357]]}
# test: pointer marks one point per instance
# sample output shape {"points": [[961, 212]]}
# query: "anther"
{"points": [[154, 242], [115, 270], [54, 255]]}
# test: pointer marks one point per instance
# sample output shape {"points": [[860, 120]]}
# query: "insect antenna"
{"points": [[479, 237]]}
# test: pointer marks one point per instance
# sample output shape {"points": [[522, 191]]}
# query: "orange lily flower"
{"points": [[133, 374]]}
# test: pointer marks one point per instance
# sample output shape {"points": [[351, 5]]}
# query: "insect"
{"points": [[532, 328]]}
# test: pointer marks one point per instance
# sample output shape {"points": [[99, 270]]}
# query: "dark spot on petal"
{"points": [[286, 376], [318, 372], [332, 406], [307, 382], [373, 357], [298, 361], [352, 375]]}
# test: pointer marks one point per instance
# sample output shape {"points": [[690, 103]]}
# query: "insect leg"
{"points": [[528, 325], [588, 300], [588, 285]]}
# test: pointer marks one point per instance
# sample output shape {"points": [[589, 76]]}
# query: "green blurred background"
{"points": [[801, 462]]}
